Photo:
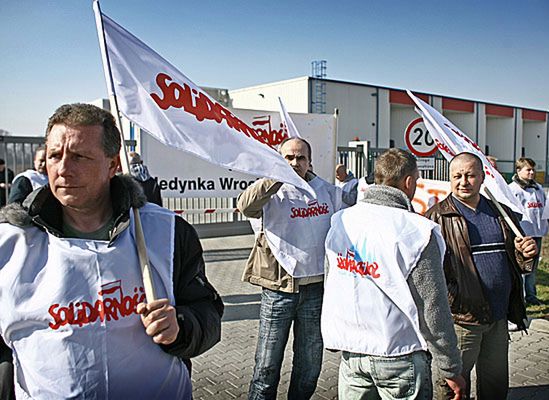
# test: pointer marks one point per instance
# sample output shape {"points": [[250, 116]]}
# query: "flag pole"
{"points": [[146, 271], [504, 214]]}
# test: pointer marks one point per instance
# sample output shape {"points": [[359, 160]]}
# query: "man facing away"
{"points": [[140, 173], [482, 265], [385, 302], [31, 179], [6, 178], [532, 197], [347, 182], [71, 290], [287, 261]]}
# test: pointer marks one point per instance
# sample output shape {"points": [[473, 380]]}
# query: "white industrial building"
{"points": [[380, 115]]}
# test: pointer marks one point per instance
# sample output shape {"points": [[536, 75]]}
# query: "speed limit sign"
{"points": [[418, 140]]}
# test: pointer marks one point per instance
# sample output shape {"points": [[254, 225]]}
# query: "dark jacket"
{"points": [[152, 191], [199, 307], [465, 294]]}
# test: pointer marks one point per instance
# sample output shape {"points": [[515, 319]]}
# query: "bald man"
{"points": [[483, 266]]}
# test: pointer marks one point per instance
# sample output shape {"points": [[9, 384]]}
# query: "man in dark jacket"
{"points": [[70, 278], [140, 172], [6, 178], [482, 266]]}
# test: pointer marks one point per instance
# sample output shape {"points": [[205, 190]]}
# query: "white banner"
{"points": [[183, 175], [451, 141], [428, 193], [164, 102]]}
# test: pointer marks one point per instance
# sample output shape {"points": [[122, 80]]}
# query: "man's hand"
{"points": [[457, 384], [527, 246], [160, 320]]}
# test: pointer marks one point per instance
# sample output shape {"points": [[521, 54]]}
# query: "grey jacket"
{"points": [[428, 288]]}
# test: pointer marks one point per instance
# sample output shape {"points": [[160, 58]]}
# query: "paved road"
{"points": [[225, 371]]}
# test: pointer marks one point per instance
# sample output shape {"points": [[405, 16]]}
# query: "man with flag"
{"points": [[71, 290], [483, 266], [287, 261]]}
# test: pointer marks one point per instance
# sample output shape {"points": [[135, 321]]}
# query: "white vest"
{"points": [[295, 226], [71, 320], [36, 178], [368, 307], [533, 201]]}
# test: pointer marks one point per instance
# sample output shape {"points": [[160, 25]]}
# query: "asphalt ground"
{"points": [[225, 371]]}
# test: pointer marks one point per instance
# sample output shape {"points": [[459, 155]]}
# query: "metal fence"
{"points": [[360, 161]]}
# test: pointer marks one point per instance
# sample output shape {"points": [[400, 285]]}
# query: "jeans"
{"points": [[530, 294], [485, 346], [363, 377], [278, 311]]}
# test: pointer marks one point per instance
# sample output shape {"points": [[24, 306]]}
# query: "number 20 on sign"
{"points": [[418, 139]]}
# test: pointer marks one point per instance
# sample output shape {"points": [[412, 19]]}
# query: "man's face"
{"points": [[466, 179], [413, 184], [40, 161], [341, 174], [79, 172], [527, 172], [296, 153]]}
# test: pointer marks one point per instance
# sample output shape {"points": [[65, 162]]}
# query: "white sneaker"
{"points": [[512, 327]]}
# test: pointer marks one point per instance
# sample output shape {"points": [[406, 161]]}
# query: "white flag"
{"points": [[451, 141], [161, 100], [289, 125]]}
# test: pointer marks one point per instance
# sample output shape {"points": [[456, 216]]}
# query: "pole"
{"points": [[139, 236], [504, 214]]}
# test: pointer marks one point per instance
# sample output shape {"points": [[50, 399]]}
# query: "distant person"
{"points": [[483, 265], [385, 301], [493, 161], [31, 179], [141, 173], [532, 198], [347, 182], [6, 178]]}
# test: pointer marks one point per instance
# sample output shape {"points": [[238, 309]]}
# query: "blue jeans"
{"points": [[530, 294], [278, 311], [363, 377]]}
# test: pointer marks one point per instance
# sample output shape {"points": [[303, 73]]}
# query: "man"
{"points": [[31, 179], [287, 261], [385, 299], [532, 197], [140, 172], [347, 182], [70, 277], [6, 178], [482, 264]]}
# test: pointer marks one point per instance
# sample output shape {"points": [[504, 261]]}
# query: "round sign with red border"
{"points": [[418, 140]]}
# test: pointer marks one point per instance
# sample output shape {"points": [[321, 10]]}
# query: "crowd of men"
{"points": [[412, 302]]}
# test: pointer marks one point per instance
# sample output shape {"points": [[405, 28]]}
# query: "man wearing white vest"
{"points": [[385, 303], [532, 197], [72, 304], [287, 261], [31, 179]]}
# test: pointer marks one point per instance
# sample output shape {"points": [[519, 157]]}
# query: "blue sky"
{"points": [[495, 51]]}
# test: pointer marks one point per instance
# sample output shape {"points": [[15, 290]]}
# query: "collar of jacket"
{"points": [[389, 196], [42, 209], [525, 183]]}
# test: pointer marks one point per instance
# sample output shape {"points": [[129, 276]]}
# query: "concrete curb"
{"points": [[539, 325]]}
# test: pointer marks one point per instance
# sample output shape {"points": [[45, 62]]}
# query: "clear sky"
{"points": [[494, 51]]}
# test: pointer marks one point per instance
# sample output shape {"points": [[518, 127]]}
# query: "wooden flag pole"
{"points": [[504, 214], [139, 235]]}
